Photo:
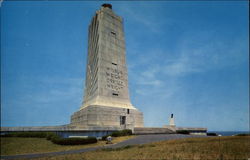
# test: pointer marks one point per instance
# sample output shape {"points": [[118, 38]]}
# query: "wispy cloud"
{"points": [[214, 54], [57, 89], [146, 19], [153, 82], [156, 71], [181, 66], [149, 77]]}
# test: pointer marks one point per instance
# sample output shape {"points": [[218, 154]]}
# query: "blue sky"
{"points": [[186, 58]]}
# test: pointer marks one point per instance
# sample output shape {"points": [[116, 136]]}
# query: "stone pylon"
{"points": [[106, 97], [171, 121]]}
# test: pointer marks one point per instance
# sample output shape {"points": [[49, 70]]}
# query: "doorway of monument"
{"points": [[123, 121]]}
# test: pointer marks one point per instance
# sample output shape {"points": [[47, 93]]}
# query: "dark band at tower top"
{"points": [[107, 5]]}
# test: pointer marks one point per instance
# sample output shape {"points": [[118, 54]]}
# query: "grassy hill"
{"points": [[19, 145], [233, 147]]}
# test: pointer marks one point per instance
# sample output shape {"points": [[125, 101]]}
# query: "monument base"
{"points": [[106, 116]]}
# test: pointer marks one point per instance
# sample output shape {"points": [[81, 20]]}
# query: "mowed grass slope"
{"points": [[233, 147], [17, 145]]}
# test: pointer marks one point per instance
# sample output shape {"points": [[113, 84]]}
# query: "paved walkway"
{"points": [[141, 139]]}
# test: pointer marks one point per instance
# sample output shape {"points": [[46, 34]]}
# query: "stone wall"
{"points": [[153, 130], [104, 116]]}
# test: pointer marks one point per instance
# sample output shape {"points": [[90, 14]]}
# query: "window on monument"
{"points": [[113, 33], [114, 63], [115, 94], [122, 120], [127, 111]]}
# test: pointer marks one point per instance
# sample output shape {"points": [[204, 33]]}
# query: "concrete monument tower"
{"points": [[106, 96]]}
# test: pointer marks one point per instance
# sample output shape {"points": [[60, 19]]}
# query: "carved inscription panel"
{"points": [[115, 79]]}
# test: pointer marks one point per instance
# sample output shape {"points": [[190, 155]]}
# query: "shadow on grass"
{"points": [[118, 149]]}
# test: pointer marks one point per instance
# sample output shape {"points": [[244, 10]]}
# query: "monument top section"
{"points": [[107, 5]]}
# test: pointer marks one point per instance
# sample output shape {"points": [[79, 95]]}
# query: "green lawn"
{"points": [[16, 145], [212, 148]]}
